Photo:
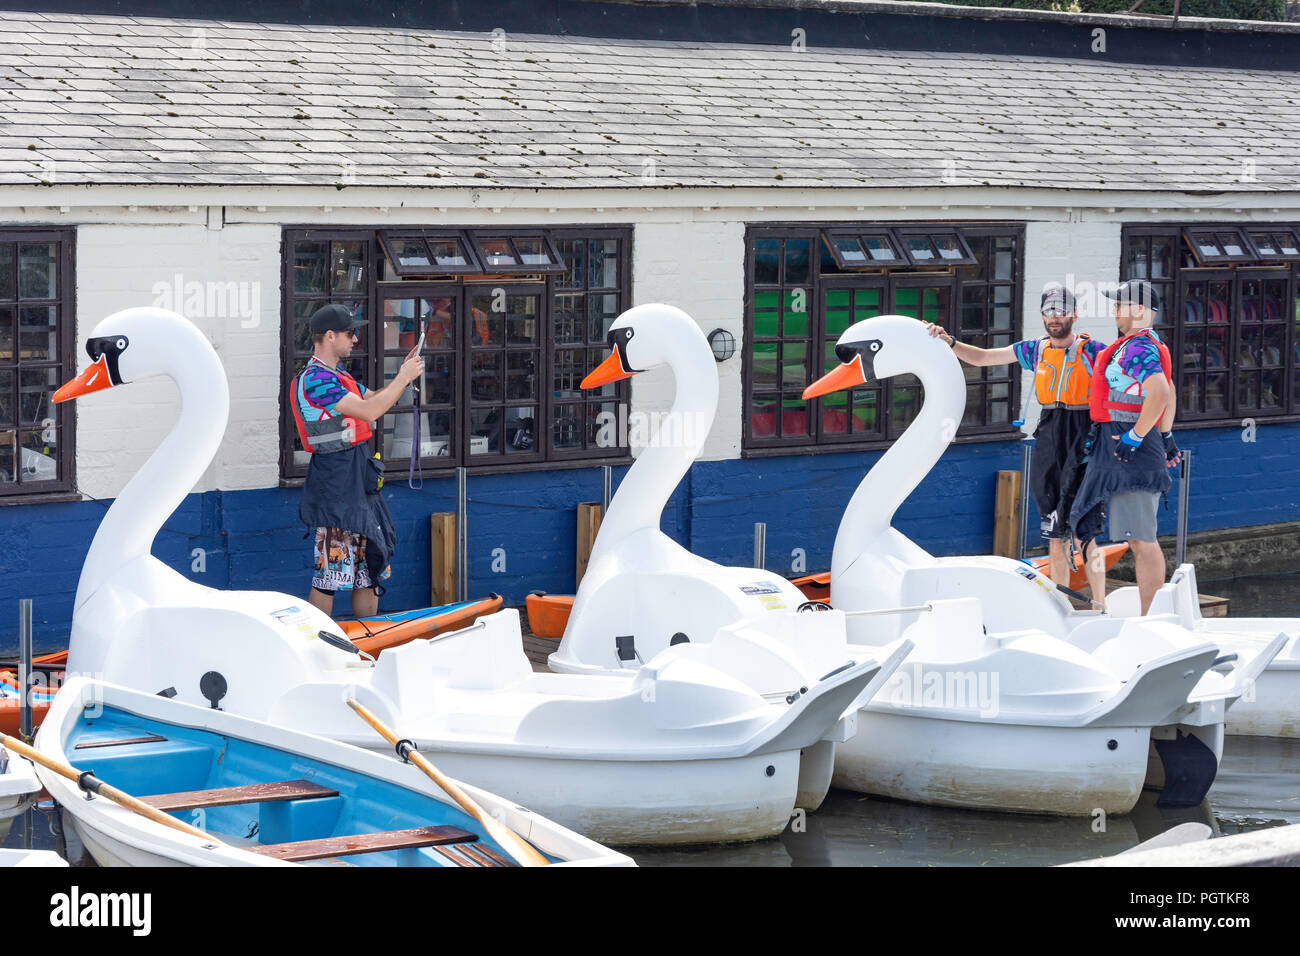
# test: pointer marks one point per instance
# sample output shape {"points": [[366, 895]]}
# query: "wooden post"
{"points": [[1006, 515], [442, 552], [588, 524]]}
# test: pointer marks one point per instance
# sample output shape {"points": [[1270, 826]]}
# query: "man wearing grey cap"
{"points": [[1132, 404], [1062, 363], [335, 416]]}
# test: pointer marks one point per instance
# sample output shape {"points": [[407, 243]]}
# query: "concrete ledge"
{"points": [[1277, 846], [1230, 552]]}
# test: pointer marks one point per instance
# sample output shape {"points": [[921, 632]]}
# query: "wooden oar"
{"points": [[513, 843], [91, 783]]}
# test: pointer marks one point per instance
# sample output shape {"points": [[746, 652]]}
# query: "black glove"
{"points": [[1173, 454], [1126, 444]]}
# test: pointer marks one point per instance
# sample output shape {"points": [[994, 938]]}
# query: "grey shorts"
{"points": [[1133, 516]]}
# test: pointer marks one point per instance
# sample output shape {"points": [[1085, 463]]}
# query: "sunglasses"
{"points": [[1054, 313]]}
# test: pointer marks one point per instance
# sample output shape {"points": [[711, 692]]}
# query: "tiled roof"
{"points": [[120, 100]]}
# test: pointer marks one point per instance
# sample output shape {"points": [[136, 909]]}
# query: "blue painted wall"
{"points": [[252, 539]]}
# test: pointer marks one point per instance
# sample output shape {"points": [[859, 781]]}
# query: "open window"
{"points": [[426, 253], [935, 247], [505, 253], [1276, 243], [854, 249], [1218, 245]]}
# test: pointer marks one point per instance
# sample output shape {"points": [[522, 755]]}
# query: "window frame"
{"points": [[1174, 332], [816, 441], [463, 286], [65, 413], [1249, 252], [474, 265], [478, 236]]}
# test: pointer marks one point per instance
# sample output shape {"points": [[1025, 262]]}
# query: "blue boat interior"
{"points": [[147, 758]]}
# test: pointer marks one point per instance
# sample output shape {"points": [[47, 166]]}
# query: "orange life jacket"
{"points": [[329, 433], [1063, 376], [1100, 400]]}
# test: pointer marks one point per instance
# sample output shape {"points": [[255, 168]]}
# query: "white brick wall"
{"points": [[1080, 256], [698, 266], [121, 266]]}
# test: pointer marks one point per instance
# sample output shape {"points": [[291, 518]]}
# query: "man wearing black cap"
{"points": [[335, 416], [1132, 404], [1062, 363]]}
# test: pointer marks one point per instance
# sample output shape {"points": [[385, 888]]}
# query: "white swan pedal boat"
{"points": [[1133, 689], [677, 752], [18, 788], [264, 795]]}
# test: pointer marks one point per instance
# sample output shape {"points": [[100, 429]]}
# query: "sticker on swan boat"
{"points": [[1030, 574], [295, 619], [767, 593]]}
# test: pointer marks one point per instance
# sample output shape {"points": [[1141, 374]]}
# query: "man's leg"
{"points": [[1058, 568], [1150, 561], [365, 602], [1094, 566]]}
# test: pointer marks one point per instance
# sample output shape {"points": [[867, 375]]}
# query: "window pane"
{"points": [[1230, 244], [602, 310], [571, 255], [948, 247], [302, 312], [920, 248], [485, 377], [521, 431], [521, 376], [1270, 385], [567, 425], [603, 255], [569, 367], [1287, 243], [794, 417], [794, 365], [38, 270], [37, 460], [796, 322], [1004, 258], [439, 323], [399, 323], [6, 270], [762, 416], [603, 426], [867, 303], [1264, 243], [850, 250], [485, 431], [1136, 263], [36, 387], [767, 261], [38, 340], [1216, 393], [309, 262], [1215, 347], [411, 253], [497, 252], [1206, 245], [764, 365], [486, 327], [796, 261], [866, 409], [1162, 257], [349, 260], [567, 314], [879, 247], [6, 402], [532, 251], [447, 252]]}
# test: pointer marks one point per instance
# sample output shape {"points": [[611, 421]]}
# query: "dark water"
{"points": [[1258, 786]]}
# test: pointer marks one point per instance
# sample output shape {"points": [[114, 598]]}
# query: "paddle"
{"points": [[513, 843], [92, 784]]}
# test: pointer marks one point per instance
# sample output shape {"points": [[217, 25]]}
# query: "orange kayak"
{"points": [[372, 635], [548, 613], [817, 587]]}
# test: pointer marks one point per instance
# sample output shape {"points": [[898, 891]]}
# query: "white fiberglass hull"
{"points": [[1019, 768], [18, 787]]}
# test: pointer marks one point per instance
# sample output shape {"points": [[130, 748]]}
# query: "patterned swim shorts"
{"points": [[340, 561]]}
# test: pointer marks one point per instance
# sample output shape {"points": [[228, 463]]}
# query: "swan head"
{"points": [[645, 337], [130, 345], [876, 349]]}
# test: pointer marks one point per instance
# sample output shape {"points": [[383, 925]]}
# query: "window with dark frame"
{"points": [[508, 338], [37, 355], [1230, 316], [806, 284]]}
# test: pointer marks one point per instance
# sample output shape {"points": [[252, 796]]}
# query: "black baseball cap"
{"points": [[334, 318], [1138, 291], [1057, 297]]}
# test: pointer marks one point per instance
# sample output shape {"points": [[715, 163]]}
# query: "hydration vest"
{"points": [[1063, 376], [330, 433], [1101, 400]]}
